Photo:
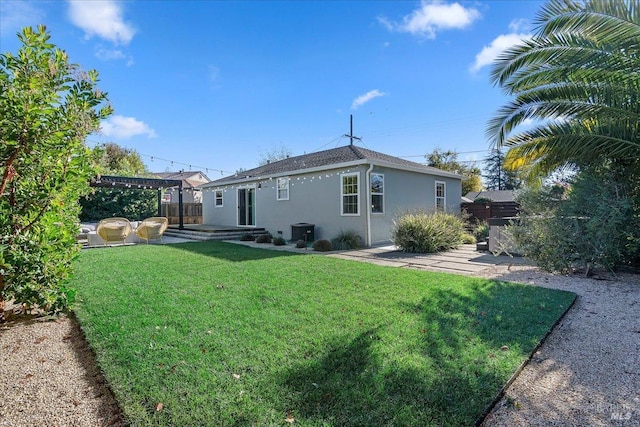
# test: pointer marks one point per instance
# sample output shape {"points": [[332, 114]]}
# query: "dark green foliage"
{"points": [[301, 244], [594, 224], [346, 240], [47, 108], [322, 245], [279, 241], [496, 176], [428, 232], [264, 238], [247, 237], [134, 205]]}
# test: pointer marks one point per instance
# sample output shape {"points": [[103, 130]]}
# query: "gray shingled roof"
{"points": [[494, 195], [333, 156]]}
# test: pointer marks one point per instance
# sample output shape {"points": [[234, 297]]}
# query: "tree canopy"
{"points": [[577, 79], [496, 176], [448, 161]]}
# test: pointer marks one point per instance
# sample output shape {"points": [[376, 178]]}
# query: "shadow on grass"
{"points": [[352, 386], [229, 251], [470, 344]]}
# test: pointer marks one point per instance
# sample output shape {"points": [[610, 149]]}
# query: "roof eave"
{"points": [[281, 174]]}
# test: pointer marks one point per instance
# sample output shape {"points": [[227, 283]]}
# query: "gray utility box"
{"points": [[303, 231]]}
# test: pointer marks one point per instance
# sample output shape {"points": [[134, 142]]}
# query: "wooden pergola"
{"points": [[125, 182]]}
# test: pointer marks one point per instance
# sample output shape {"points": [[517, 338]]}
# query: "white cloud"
{"points": [[125, 127], [105, 54], [17, 15], [519, 32], [101, 18], [363, 99], [433, 16], [490, 53], [109, 54]]}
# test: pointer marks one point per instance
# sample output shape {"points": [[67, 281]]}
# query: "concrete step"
{"points": [[212, 235]]}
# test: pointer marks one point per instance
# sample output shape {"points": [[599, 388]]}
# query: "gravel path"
{"points": [[587, 373], [49, 377]]}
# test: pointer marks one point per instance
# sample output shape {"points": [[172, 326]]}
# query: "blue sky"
{"points": [[217, 85]]}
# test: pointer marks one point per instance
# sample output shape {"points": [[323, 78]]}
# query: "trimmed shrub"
{"points": [[428, 232], [279, 241], [264, 238], [468, 239], [346, 240], [301, 244], [481, 231], [322, 245], [247, 237]]}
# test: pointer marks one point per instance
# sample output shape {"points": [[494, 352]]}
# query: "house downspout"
{"points": [[367, 178]]}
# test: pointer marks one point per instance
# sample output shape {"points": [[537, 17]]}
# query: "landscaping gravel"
{"points": [[587, 372]]}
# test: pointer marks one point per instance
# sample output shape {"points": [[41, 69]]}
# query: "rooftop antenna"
{"points": [[350, 136]]}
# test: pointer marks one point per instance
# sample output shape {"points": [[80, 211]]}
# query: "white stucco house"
{"points": [[347, 188]]}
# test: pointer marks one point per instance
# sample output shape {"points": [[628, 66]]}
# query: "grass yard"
{"points": [[217, 334]]}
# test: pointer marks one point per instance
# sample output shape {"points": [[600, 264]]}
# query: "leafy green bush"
{"points": [[48, 107], [264, 238], [301, 244], [346, 240], [428, 232], [247, 237], [595, 224], [322, 245], [279, 241]]}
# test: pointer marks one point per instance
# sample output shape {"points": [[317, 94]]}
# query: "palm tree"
{"points": [[578, 78]]}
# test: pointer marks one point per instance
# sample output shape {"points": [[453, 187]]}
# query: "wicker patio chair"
{"points": [[114, 229], [152, 228]]}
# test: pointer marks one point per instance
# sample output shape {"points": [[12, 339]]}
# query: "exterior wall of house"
{"points": [[313, 198], [188, 196], [316, 199], [403, 191]]}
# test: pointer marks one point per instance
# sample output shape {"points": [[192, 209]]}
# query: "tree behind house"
{"points": [[496, 177], [448, 161]]}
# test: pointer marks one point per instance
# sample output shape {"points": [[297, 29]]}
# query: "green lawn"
{"points": [[225, 335]]}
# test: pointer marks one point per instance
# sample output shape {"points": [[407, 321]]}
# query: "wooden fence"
{"points": [[192, 213], [483, 211]]}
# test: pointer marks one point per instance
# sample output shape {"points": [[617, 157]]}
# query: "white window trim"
{"points": [[357, 194], [444, 197], [215, 198], [376, 194], [278, 188]]}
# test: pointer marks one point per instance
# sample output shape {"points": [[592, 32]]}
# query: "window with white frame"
{"points": [[349, 194], [282, 188], [441, 192], [377, 193], [218, 197]]}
